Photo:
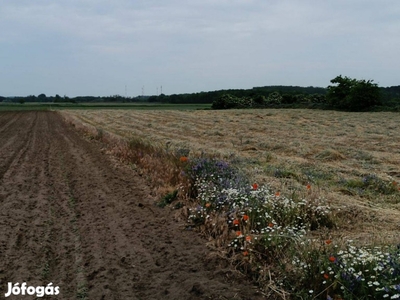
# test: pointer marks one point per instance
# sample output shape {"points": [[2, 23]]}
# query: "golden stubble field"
{"points": [[334, 152]]}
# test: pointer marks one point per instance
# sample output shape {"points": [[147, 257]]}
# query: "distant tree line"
{"points": [[344, 93], [210, 97]]}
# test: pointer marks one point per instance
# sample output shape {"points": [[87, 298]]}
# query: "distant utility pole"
{"points": [[142, 91], [161, 89], [157, 91]]}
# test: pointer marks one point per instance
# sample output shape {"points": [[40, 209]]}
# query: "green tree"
{"points": [[352, 94], [58, 98], [41, 97]]}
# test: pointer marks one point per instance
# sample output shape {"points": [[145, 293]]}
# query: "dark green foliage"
{"points": [[227, 101], [274, 99], [289, 99], [259, 99], [317, 98], [352, 94], [391, 97], [259, 95]]}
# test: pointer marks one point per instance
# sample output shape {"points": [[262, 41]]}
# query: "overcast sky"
{"points": [[101, 48]]}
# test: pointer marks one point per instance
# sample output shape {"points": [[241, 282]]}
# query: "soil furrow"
{"points": [[72, 216], [8, 156], [6, 119]]}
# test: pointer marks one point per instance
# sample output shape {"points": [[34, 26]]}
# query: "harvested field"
{"points": [[333, 151], [72, 216]]}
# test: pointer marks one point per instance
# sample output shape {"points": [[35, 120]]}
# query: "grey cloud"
{"points": [[198, 45]]}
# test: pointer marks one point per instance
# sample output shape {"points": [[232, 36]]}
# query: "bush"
{"points": [[227, 101], [353, 95]]}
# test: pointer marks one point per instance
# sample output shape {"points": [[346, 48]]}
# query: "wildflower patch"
{"points": [[269, 231]]}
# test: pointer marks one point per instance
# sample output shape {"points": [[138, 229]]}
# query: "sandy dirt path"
{"points": [[70, 216]]}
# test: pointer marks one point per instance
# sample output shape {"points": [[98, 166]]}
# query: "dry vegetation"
{"points": [[320, 182], [287, 149]]}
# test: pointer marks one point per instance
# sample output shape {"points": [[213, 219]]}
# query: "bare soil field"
{"points": [[72, 216], [335, 152]]}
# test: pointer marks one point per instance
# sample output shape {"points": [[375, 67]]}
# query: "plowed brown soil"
{"points": [[70, 216]]}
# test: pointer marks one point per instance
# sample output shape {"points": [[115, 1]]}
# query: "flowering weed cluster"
{"points": [[366, 273], [351, 273], [258, 223], [271, 231]]}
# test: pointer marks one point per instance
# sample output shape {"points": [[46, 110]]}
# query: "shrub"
{"points": [[274, 99], [353, 95], [227, 101]]}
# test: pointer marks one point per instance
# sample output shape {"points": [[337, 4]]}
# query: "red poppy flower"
{"points": [[245, 217], [332, 259], [255, 186], [328, 242], [183, 159], [248, 238], [326, 276], [236, 222], [308, 186]]}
